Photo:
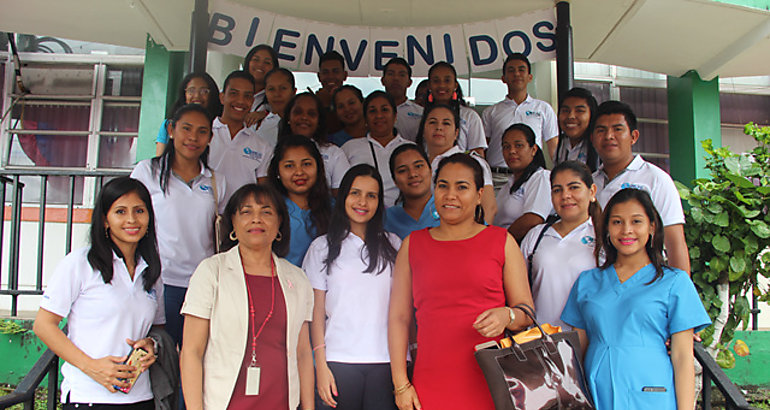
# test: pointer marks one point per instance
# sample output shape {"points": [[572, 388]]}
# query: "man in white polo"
{"points": [[236, 152], [613, 136], [396, 78], [518, 107]]}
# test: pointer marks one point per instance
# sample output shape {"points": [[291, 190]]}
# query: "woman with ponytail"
{"points": [[523, 201], [558, 250], [461, 277]]}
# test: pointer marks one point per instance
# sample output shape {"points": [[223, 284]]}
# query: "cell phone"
{"points": [[491, 344], [133, 360]]}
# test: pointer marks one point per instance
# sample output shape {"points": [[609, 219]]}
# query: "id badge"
{"points": [[253, 374]]}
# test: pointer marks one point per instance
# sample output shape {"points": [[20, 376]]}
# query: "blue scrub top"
{"points": [[302, 232], [401, 224], [163, 132], [340, 137], [627, 325]]}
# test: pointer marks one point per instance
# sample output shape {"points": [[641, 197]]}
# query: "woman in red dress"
{"points": [[458, 276]]}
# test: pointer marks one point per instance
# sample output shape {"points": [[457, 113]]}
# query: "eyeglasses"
{"points": [[199, 91]]}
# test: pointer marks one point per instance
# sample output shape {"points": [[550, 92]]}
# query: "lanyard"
{"points": [[255, 334]]}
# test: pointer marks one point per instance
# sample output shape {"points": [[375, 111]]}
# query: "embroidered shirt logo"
{"points": [[531, 113], [152, 294], [205, 188], [413, 114], [587, 240], [248, 152], [635, 186]]}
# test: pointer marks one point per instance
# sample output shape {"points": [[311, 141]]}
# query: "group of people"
{"points": [[363, 234]]}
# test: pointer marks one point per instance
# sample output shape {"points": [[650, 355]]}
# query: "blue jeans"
{"points": [[173, 297]]}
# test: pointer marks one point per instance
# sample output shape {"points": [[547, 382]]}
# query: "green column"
{"points": [[693, 116], [163, 70]]}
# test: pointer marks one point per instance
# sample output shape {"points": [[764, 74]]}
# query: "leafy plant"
{"points": [[728, 234], [9, 327]]}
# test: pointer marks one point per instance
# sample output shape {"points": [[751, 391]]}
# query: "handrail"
{"points": [[47, 364], [712, 372]]}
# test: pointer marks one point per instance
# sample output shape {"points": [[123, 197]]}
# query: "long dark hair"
{"points": [[162, 164], [392, 162], [262, 194], [537, 162], [318, 198], [581, 170], [654, 245], [214, 105], [378, 247], [592, 157], [102, 246], [319, 135], [420, 140], [478, 176]]}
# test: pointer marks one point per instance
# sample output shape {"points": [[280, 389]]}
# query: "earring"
{"points": [[454, 96], [430, 97], [233, 237], [278, 237], [107, 232]]}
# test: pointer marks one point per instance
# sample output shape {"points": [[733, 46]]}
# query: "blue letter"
{"points": [[412, 44], [545, 35], [252, 31], [524, 39], [474, 46], [226, 29], [278, 43], [314, 44], [450, 55], [353, 62], [379, 55]]}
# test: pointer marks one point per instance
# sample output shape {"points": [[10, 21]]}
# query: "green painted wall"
{"points": [[163, 71], [753, 369], [693, 116], [757, 4]]}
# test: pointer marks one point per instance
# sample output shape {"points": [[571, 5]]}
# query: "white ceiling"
{"points": [[666, 36]]}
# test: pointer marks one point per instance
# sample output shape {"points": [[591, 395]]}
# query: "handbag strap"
{"points": [[216, 194], [374, 157], [548, 223], [527, 309]]}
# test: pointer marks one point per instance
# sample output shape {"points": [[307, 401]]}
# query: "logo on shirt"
{"points": [[413, 114], [249, 153], [152, 294], [532, 113], [435, 215], [635, 186], [205, 188], [587, 240]]}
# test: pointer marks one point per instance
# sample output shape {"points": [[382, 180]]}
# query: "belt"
{"points": [[501, 170]]}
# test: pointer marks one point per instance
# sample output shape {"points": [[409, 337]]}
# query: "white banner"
{"points": [[475, 47]]}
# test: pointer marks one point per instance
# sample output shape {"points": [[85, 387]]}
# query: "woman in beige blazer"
{"points": [[247, 313]]}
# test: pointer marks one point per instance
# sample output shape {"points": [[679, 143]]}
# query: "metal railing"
{"points": [[11, 179], [46, 365], [713, 373]]}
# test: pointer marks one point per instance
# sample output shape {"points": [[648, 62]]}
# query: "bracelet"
{"points": [[402, 388], [322, 345]]}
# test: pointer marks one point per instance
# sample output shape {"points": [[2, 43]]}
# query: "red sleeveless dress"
{"points": [[452, 283]]}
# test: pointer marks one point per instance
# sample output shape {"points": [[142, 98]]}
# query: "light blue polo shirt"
{"points": [[401, 224]]}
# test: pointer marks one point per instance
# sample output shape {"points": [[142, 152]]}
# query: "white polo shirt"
{"points": [[100, 318], [184, 220], [643, 175], [454, 150], [569, 153], [533, 196], [335, 163], [409, 115], [241, 160], [359, 151], [259, 103], [356, 302], [536, 113], [556, 265], [471, 130], [268, 129]]}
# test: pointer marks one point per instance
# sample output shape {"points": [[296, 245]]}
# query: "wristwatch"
{"points": [[512, 315]]}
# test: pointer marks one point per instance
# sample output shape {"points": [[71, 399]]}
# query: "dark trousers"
{"points": [[173, 297], [142, 405], [363, 386]]}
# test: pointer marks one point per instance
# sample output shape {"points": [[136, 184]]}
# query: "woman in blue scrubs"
{"points": [[414, 209], [626, 309]]}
